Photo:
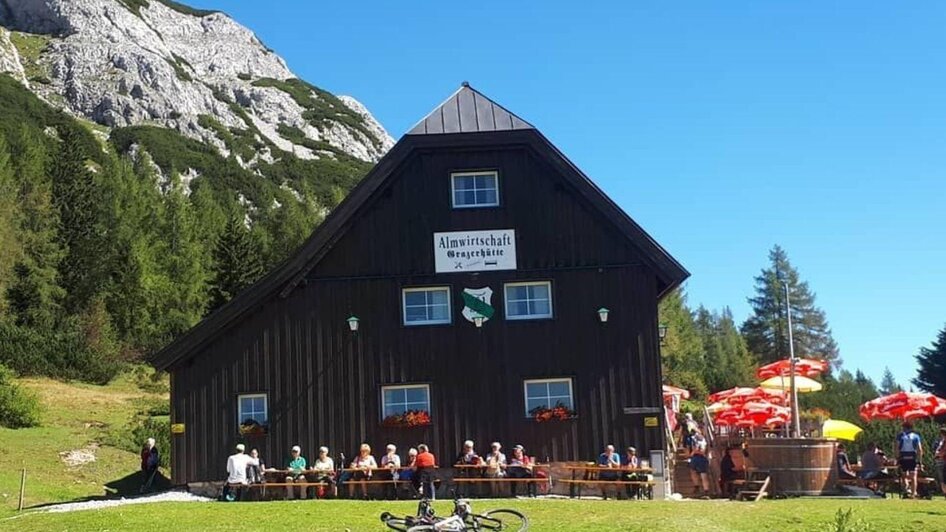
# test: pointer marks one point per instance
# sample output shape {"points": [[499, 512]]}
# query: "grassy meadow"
{"points": [[82, 416], [552, 515]]}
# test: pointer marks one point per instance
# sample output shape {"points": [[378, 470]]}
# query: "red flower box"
{"points": [[411, 418], [559, 412]]}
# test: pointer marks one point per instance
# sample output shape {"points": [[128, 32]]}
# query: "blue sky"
{"points": [[723, 128]]}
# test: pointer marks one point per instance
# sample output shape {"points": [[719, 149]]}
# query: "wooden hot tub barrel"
{"points": [[797, 466]]}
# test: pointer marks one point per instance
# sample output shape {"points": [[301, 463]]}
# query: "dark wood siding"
{"points": [[323, 382]]}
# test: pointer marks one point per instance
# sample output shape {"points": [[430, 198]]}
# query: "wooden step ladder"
{"points": [[755, 487]]}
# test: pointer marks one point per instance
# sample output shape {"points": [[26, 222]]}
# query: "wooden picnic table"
{"points": [[591, 471]]}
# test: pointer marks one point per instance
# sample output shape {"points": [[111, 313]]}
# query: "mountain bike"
{"points": [[462, 519]]}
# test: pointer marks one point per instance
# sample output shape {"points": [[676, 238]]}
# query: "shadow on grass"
{"points": [[127, 487]]}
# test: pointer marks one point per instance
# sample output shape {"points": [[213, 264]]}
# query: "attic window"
{"points": [[475, 189]]}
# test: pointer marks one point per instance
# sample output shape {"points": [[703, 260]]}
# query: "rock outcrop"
{"points": [[131, 62]]}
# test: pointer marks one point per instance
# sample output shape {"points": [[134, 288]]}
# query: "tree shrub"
{"points": [[19, 408]]}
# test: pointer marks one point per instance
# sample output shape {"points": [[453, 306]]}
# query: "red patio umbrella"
{"points": [[673, 390], [739, 395], [753, 414], [903, 405], [805, 367]]}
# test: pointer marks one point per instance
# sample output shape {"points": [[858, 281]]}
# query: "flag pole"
{"points": [[796, 425]]}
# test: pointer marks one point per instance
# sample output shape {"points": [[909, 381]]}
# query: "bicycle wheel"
{"points": [[501, 519], [398, 523], [443, 527]]}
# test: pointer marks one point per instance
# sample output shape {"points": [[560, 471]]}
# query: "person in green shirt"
{"points": [[296, 471]]}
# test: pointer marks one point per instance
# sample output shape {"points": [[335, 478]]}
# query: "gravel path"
{"points": [[168, 496]]}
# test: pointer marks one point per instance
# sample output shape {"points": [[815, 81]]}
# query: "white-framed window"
{"points": [[475, 189], [398, 399], [251, 409], [528, 301], [426, 306], [548, 393]]}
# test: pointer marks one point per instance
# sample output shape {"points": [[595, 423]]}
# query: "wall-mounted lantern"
{"points": [[662, 332], [603, 315], [353, 323]]}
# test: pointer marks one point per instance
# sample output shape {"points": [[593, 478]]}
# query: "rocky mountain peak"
{"points": [[122, 63]]}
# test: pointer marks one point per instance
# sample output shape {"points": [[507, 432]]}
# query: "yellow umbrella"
{"points": [[842, 430], [802, 384]]}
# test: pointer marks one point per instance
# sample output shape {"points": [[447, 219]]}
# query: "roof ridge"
{"points": [[467, 111]]}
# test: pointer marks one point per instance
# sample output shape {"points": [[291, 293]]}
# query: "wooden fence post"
{"points": [[19, 506]]}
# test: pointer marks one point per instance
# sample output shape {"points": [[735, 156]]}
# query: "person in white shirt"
{"points": [[363, 465], [324, 469], [237, 464], [392, 462]]}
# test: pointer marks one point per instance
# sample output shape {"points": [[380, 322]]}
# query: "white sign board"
{"points": [[475, 251]]}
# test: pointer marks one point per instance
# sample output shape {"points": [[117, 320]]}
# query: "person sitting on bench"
{"points": [[610, 461], [324, 471], [296, 473], [364, 463], [469, 458], [237, 464], [844, 464], [631, 461], [255, 469], [520, 466]]}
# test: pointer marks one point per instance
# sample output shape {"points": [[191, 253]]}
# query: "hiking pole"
{"points": [[19, 507]]}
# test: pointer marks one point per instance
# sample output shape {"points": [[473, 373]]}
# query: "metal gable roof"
{"points": [[468, 111], [487, 117]]}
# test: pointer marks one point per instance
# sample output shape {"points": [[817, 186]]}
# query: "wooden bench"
{"points": [[500, 480], [263, 485], [601, 484]]}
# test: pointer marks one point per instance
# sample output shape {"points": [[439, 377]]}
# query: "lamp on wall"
{"points": [[662, 332], [353, 323], [478, 321], [603, 314]]}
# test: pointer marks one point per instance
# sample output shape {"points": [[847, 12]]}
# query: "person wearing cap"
{"points": [[520, 466], [296, 471], [469, 462], [324, 471], [237, 464], [632, 462], [391, 462]]}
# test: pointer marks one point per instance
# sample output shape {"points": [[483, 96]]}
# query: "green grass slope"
{"points": [[544, 515], [75, 417]]}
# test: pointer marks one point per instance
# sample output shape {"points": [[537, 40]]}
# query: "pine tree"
{"points": [[931, 374], [682, 350], [34, 295], [76, 197], [131, 219], [183, 262], [237, 262], [727, 360], [9, 221], [888, 384], [766, 331]]}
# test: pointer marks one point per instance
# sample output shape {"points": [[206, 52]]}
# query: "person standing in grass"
{"points": [[423, 472], [699, 464], [296, 467], [939, 460], [150, 460], [909, 456]]}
